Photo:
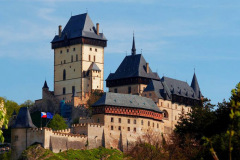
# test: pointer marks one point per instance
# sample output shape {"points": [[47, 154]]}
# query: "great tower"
{"points": [[78, 58]]}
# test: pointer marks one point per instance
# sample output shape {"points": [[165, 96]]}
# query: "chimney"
{"points": [[59, 30], [97, 26], [147, 67]]}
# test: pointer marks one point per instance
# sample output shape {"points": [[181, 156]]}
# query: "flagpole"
{"points": [[41, 117]]}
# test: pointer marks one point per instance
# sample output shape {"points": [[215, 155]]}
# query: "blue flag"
{"points": [[49, 115]]}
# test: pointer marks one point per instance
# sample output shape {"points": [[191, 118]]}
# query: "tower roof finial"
{"points": [[133, 46]]}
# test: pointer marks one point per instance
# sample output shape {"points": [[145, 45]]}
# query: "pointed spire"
{"points": [[45, 84], [195, 86], [133, 46]]}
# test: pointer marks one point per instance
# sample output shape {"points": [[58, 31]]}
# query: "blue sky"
{"points": [[175, 37]]}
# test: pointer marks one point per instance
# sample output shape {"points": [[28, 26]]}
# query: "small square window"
{"points": [[119, 120], [95, 49], [157, 125], [128, 128], [142, 122], [73, 49], [119, 128], [61, 51], [90, 49], [111, 127], [128, 121], [134, 129], [112, 120], [148, 123]]}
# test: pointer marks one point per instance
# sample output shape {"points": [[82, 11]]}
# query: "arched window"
{"points": [[64, 74], [165, 114]]}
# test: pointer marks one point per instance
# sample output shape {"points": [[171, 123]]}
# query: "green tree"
{"points": [[3, 119], [27, 103], [57, 123]]}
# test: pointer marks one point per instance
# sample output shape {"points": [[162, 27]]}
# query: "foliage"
{"points": [[27, 103], [57, 123], [36, 152], [153, 146], [94, 97], [3, 119], [5, 156]]}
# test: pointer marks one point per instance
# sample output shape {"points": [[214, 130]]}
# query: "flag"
{"points": [[49, 115], [43, 115]]}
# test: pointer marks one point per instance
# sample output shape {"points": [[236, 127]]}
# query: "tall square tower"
{"points": [[78, 58]]}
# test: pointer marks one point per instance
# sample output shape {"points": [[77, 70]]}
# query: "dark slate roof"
{"points": [[178, 87], [45, 84], [127, 100], [133, 66], [24, 119], [94, 67], [165, 88], [79, 26], [196, 87], [155, 86]]}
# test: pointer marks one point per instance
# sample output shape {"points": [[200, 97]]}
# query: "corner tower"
{"points": [[76, 48]]}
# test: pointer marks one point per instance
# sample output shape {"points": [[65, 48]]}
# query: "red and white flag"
{"points": [[43, 115]]}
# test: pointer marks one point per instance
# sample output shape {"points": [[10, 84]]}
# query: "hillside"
{"points": [[36, 152]]}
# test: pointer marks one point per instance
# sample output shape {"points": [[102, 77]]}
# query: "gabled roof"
{"points": [[127, 100], [195, 86], [94, 67], [79, 26], [24, 119], [179, 88], [133, 66], [155, 86]]}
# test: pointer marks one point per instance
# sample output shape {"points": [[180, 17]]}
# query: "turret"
{"points": [[196, 87], [45, 90]]}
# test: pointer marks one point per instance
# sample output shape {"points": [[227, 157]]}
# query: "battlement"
{"points": [[69, 134], [87, 124]]}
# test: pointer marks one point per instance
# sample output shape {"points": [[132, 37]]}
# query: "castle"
{"points": [[138, 100]]}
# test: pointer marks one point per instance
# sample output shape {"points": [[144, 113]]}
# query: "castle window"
{"points": [[76, 57], [150, 94], [119, 128], [73, 49], [128, 121], [64, 74], [165, 114], [153, 124], [67, 50], [119, 120], [64, 61], [89, 58], [168, 105], [98, 120], [148, 123], [175, 117], [94, 58], [73, 90], [72, 58], [157, 125], [176, 106], [111, 127], [64, 90], [16, 138], [90, 49], [129, 89], [128, 128], [112, 120], [95, 49], [134, 129], [61, 62], [135, 121], [142, 122], [115, 90]]}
